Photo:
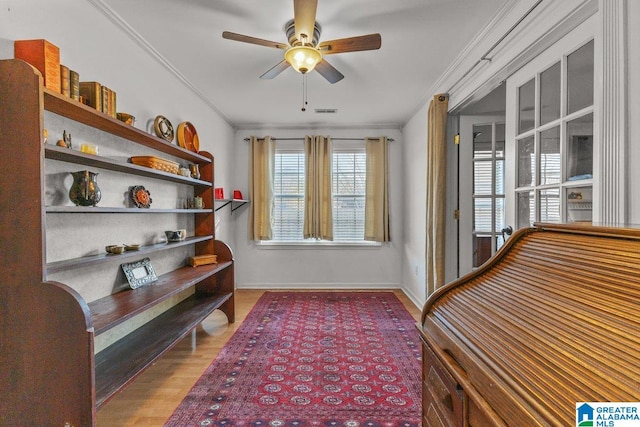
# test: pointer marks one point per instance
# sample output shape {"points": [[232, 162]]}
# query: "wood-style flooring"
{"points": [[151, 398]]}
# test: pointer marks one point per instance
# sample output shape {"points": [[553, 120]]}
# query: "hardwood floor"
{"points": [[151, 398]]}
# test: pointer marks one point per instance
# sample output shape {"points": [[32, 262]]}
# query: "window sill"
{"points": [[269, 244]]}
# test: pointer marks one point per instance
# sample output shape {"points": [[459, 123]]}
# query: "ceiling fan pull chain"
{"points": [[306, 88], [304, 93]]}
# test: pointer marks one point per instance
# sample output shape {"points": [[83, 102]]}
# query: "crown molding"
{"points": [[116, 19], [466, 59], [522, 30], [310, 126]]}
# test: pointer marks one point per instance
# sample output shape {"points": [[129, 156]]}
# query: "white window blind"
{"points": [[288, 195], [349, 174]]}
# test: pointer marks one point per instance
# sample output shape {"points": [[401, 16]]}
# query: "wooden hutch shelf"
{"points": [[48, 329], [86, 261], [143, 346], [115, 210], [59, 104], [77, 157]]}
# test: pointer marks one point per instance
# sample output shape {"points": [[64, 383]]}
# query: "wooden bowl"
{"points": [[114, 249]]}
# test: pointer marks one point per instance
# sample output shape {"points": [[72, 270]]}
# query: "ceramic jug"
{"points": [[195, 171], [85, 191]]}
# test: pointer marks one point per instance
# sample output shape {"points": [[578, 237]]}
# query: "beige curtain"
{"points": [[376, 207], [318, 210], [261, 174], [436, 192]]}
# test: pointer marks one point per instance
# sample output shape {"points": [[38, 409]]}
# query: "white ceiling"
{"points": [[381, 88]]}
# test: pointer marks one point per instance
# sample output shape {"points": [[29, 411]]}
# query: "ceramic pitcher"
{"points": [[85, 191]]}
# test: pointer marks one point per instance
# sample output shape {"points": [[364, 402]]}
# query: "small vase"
{"points": [[195, 171], [85, 191]]}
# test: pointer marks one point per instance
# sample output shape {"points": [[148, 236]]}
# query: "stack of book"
{"points": [[69, 82], [45, 57], [99, 97]]}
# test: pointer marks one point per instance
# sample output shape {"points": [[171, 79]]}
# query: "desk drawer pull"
{"points": [[447, 401]]}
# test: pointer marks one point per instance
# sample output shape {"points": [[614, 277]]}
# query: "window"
{"points": [[349, 175], [288, 194], [488, 213], [554, 141]]}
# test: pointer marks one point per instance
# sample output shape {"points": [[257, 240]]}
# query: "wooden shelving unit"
{"points": [[115, 210], [143, 346], [47, 328], [77, 157], [78, 112], [86, 261]]}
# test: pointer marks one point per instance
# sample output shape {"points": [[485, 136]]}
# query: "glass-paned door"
{"points": [[550, 113], [482, 200], [488, 191]]}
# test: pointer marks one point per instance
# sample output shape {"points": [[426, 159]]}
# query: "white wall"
{"points": [[101, 51], [414, 215], [319, 267]]}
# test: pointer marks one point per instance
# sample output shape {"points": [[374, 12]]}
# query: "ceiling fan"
{"points": [[303, 52]]}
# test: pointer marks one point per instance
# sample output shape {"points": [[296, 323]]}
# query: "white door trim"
{"points": [[610, 105]]}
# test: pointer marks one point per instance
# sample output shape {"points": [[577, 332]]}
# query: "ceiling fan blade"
{"points": [[304, 15], [327, 71], [351, 44], [253, 40], [277, 69]]}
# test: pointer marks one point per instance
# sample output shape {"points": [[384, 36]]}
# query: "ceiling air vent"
{"points": [[326, 110]]}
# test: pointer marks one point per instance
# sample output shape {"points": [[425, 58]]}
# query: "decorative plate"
{"points": [[163, 128], [188, 137], [140, 196]]}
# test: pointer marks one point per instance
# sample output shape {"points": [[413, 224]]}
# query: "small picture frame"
{"points": [[139, 273]]}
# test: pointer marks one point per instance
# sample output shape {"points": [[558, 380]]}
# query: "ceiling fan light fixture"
{"points": [[303, 58]]}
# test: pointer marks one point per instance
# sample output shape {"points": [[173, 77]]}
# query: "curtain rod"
{"points": [[333, 139]]}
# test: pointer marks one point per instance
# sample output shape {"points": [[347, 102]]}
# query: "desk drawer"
{"points": [[443, 402], [432, 418]]}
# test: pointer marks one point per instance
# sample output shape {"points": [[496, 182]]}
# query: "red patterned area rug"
{"points": [[299, 359]]}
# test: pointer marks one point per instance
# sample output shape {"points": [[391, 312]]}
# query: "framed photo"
{"points": [[139, 273]]}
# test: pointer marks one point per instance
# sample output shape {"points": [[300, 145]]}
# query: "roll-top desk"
{"points": [[551, 320]]}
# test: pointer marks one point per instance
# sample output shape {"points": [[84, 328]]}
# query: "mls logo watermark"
{"points": [[608, 414]]}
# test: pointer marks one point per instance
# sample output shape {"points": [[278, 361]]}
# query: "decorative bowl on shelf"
{"points": [[131, 246], [163, 128], [174, 235], [126, 118], [114, 249]]}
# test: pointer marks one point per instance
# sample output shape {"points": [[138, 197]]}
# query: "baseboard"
{"points": [[333, 286], [301, 286], [415, 300]]}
